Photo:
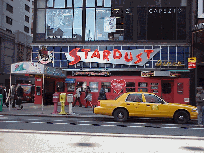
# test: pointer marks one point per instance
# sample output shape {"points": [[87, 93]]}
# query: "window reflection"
{"points": [[59, 23], [59, 4], [77, 28], [99, 2], [90, 3], [90, 24], [107, 3], [100, 16], [50, 3], [78, 3], [69, 3]]}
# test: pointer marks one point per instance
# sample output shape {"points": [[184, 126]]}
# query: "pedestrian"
{"points": [[77, 96], [87, 91], [88, 99], [13, 95], [19, 97], [199, 103], [4, 96], [102, 93]]}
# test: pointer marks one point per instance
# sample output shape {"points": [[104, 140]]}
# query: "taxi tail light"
{"points": [[98, 102]]}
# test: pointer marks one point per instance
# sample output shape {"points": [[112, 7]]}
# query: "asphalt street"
{"points": [[101, 125]]}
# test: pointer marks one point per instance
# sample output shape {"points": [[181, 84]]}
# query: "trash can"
{"points": [[1, 102]]}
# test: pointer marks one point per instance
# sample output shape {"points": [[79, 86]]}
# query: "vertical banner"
{"points": [[191, 62]]}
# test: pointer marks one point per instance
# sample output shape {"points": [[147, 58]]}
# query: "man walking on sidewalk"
{"points": [[13, 93], [19, 97], [77, 96]]}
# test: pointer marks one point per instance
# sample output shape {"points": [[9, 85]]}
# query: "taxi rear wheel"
{"points": [[120, 115], [181, 117]]}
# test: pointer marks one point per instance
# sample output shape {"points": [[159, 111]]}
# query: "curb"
{"points": [[71, 116]]}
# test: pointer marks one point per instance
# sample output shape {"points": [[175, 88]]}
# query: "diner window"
{"points": [[107, 86], [130, 86], [70, 87], [93, 86], [142, 87], [166, 88], [60, 86], [134, 98], [152, 98], [9, 8]]}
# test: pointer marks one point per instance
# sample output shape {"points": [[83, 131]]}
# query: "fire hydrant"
{"points": [[63, 100], [55, 101]]}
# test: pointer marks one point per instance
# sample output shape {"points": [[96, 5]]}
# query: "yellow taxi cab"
{"points": [[144, 104]]}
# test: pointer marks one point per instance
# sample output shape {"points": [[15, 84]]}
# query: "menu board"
{"points": [[154, 87]]}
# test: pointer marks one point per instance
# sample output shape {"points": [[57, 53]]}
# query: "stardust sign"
{"points": [[128, 57]]}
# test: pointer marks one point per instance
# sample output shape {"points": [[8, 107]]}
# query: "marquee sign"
{"points": [[128, 57]]}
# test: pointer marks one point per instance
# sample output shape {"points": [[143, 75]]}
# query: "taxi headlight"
{"points": [[194, 110]]}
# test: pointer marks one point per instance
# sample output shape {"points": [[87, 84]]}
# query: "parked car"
{"points": [[144, 104], [28, 92]]}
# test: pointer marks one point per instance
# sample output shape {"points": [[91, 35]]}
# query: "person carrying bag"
{"points": [[19, 97]]}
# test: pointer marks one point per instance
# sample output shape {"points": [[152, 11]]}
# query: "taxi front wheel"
{"points": [[120, 115], [181, 117]]}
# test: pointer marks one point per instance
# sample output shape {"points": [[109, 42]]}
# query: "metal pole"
{"points": [[10, 94], [43, 93]]}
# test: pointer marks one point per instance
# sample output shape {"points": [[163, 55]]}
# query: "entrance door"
{"points": [[167, 90], [49, 87]]}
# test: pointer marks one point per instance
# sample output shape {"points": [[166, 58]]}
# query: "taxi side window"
{"points": [[152, 98], [134, 98]]}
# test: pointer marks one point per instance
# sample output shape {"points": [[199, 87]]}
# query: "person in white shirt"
{"points": [[77, 96]]}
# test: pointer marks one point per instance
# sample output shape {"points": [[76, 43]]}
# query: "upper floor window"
{"points": [[9, 8], [26, 18], [8, 20], [26, 29], [27, 8]]}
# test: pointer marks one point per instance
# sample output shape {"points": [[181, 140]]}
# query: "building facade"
{"points": [[15, 27], [148, 40]]}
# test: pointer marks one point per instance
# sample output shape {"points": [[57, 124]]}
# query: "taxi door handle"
{"points": [[128, 104], [147, 105]]}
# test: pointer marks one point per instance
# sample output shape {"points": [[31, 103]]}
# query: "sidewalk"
{"points": [[31, 109]]}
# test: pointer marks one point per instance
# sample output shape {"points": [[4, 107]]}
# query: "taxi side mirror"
{"points": [[162, 102]]}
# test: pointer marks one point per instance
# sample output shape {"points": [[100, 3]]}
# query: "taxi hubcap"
{"points": [[181, 117], [120, 115]]}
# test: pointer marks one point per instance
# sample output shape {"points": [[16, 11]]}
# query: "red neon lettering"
{"points": [[139, 58], [148, 53], [86, 52], [106, 53], [115, 51], [73, 53], [126, 57], [96, 54]]}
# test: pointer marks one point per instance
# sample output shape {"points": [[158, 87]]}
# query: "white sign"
{"points": [[200, 9], [27, 68], [110, 24]]}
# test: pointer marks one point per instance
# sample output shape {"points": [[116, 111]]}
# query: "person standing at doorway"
{"points": [[77, 96], [87, 91], [19, 97]]}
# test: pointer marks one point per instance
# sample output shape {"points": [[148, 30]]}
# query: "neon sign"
{"points": [[168, 63], [128, 57]]}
